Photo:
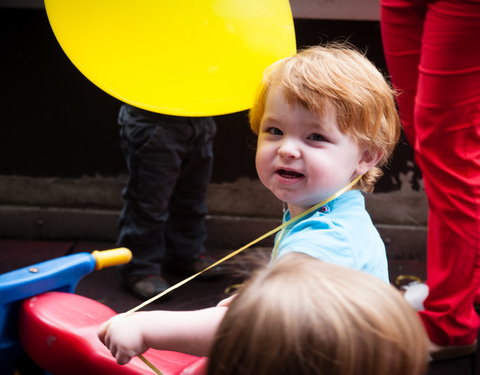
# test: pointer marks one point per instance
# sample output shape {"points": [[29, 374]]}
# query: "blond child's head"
{"points": [[302, 316], [337, 75]]}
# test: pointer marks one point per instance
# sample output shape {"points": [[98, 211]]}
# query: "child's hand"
{"points": [[123, 336], [192, 332]]}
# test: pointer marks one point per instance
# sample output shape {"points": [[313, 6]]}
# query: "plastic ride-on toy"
{"points": [[41, 316]]}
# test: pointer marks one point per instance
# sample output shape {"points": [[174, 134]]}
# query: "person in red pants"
{"points": [[433, 56]]}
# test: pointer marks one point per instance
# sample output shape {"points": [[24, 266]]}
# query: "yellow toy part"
{"points": [[178, 57], [112, 257]]}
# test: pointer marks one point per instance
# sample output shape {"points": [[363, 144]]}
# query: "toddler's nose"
{"points": [[289, 149]]}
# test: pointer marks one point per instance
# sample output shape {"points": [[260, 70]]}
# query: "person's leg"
{"points": [[402, 28], [186, 229], [186, 232], [153, 160], [447, 120]]}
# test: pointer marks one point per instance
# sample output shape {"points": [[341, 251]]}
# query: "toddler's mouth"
{"points": [[289, 174]]}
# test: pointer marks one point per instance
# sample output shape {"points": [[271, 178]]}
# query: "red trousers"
{"points": [[432, 50]]}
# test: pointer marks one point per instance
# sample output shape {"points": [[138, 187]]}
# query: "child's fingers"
{"points": [[123, 354], [102, 331], [108, 333], [120, 354], [123, 358]]}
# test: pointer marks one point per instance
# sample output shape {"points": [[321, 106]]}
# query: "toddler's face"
{"points": [[302, 156]]}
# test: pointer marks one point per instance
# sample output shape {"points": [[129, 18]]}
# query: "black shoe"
{"points": [[145, 286], [190, 267], [442, 353]]}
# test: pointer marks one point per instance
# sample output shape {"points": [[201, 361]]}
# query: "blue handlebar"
{"points": [[60, 274]]}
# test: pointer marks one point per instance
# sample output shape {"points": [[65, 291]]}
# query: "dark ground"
{"points": [[105, 286]]}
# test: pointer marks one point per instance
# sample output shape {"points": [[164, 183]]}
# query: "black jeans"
{"points": [[169, 160]]}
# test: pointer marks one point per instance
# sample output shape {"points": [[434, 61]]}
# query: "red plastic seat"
{"points": [[59, 332]]}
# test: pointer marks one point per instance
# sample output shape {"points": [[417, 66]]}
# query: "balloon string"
{"points": [[236, 252], [150, 364]]}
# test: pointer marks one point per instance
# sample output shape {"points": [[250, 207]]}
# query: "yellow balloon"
{"points": [[178, 57]]}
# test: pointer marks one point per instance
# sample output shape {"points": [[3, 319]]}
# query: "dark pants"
{"points": [[169, 160]]}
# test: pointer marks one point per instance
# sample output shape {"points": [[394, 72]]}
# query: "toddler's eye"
{"points": [[274, 131], [317, 137]]}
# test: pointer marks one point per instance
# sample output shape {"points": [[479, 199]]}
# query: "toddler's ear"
{"points": [[368, 160]]}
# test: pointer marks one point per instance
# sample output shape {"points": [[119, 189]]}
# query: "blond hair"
{"points": [[338, 74], [305, 317]]}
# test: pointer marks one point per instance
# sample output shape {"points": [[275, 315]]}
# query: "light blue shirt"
{"points": [[341, 232]]}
